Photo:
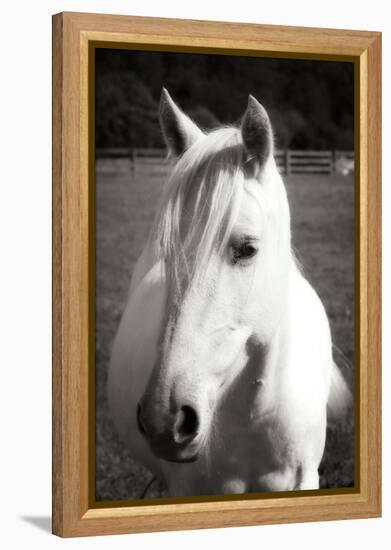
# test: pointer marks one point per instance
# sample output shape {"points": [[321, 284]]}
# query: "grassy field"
{"points": [[323, 235]]}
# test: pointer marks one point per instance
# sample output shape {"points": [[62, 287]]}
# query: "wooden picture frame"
{"points": [[74, 37]]}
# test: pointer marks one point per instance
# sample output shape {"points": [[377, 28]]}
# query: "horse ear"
{"points": [[179, 131], [257, 133]]}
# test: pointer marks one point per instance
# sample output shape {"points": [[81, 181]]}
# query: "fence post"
{"points": [[287, 162], [132, 161], [334, 161]]}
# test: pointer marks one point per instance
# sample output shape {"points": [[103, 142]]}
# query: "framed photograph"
{"points": [[216, 274]]}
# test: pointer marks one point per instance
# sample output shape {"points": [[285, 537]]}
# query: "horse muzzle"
{"points": [[176, 439]]}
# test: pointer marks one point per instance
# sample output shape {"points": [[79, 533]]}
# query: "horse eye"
{"points": [[243, 251]]}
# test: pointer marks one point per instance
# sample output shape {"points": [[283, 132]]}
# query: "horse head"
{"points": [[223, 232]]}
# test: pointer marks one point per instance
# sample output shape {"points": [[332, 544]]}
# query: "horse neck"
{"points": [[146, 261]]}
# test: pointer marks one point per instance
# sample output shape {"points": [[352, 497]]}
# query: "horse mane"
{"points": [[200, 204]]}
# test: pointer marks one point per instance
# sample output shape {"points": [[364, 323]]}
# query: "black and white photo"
{"points": [[225, 275]]}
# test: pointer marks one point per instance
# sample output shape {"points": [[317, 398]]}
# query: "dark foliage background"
{"points": [[310, 102]]}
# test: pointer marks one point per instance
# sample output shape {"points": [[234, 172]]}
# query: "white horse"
{"points": [[222, 371]]}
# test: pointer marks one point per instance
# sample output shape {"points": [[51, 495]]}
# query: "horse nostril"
{"points": [[140, 425], [186, 424]]}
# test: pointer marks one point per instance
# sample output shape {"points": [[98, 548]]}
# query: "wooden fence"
{"points": [[154, 161]]}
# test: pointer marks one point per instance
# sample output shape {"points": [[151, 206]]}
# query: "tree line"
{"points": [[310, 103]]}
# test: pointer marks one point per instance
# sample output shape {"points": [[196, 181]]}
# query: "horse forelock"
{"points": [[200, 205]]}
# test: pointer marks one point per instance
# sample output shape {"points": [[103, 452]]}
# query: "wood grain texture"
{"points": [[68, 293], [57, 462], [73, 512], [373, 364], [212, 34]]}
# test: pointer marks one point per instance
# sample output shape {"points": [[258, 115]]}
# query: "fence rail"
{"points": [[155, 162]]}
